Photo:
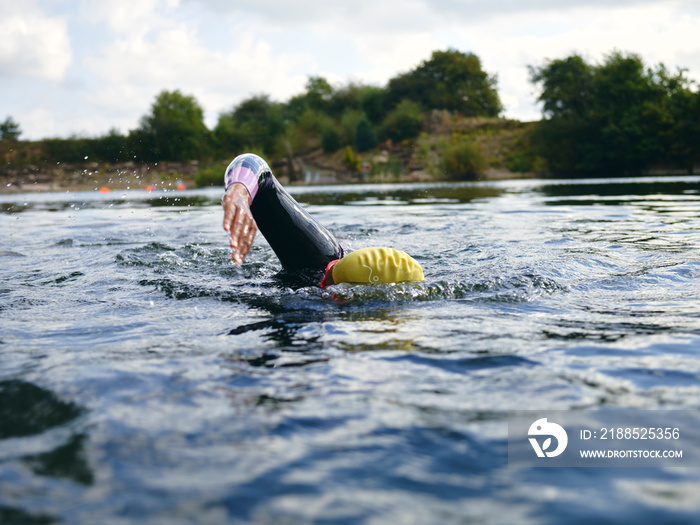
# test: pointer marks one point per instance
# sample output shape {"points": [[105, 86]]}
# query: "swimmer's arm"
{"points": [[238, 221]]}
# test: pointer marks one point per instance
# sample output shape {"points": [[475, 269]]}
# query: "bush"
{"points": [[394, 166], [330, 139], [305, 133], [352, 161], [519, 162], [348, 123], [462, 159], [256, 123], [365, 137], [73, 149], [209, 176], [405, 122], [112, 147]]}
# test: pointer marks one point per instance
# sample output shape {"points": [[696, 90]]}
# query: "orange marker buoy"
{"points": [[104, 190], [181, 186], [149, 188]]}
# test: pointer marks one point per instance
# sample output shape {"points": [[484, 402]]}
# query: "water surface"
{"points": [[145, 378]]}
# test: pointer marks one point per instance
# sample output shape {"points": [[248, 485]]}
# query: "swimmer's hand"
{"points": [[239, 222]]}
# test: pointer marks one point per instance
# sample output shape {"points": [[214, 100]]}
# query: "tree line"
{"points": [[617, 117], [353, 115]]}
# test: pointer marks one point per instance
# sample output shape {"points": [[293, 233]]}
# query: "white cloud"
{"points": [[655, 32], [508, 35], [137, 66], [32, 44], [128, 16], [41, 119], [164, 52], [223, 52], [408, 14]]}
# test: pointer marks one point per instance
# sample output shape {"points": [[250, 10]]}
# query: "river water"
{"points": [[144, 378]]}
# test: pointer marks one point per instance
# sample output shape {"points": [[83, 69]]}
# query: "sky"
{"points": [[83, 67]]}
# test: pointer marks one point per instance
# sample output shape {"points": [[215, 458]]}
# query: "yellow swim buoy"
{"points": [[373, 265]]}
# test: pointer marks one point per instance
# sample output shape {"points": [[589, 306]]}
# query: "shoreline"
{"points": [[171, 176]]}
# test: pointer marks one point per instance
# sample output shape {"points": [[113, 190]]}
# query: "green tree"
{"points": [[365, 137], [174, 130], [680, 129], [404, 122], [318, 93], [348, 124], [366, 99], [330, 138], [305, 132], [111, 147], [256, 123], [73, 149], [317, 97], [331, 114], [566, 90], [625, 112], [450, 80], [567, 86], [614, 118], [373, 103], [9, 130]]}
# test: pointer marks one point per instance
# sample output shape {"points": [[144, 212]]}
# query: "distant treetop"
{"points": [[9, 130], [450, 80]]}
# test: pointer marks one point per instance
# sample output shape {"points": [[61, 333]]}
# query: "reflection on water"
{"points": [[26, 409], [392, 194], [42, 419], [594, 189], [144, 378], [11, 515], [371, 195], [66, 461]]}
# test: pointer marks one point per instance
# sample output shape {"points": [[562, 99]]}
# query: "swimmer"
{"points": [[255, 200]]}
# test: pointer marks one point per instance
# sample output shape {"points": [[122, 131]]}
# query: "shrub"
{"points": [[393, 166], [462, 159], [330, 139], [365, 137], [209, 176], [352, 161], [348, 123], [405, 122]]}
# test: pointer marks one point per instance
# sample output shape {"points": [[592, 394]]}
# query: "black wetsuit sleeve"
{"points": [[299, 241]]}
